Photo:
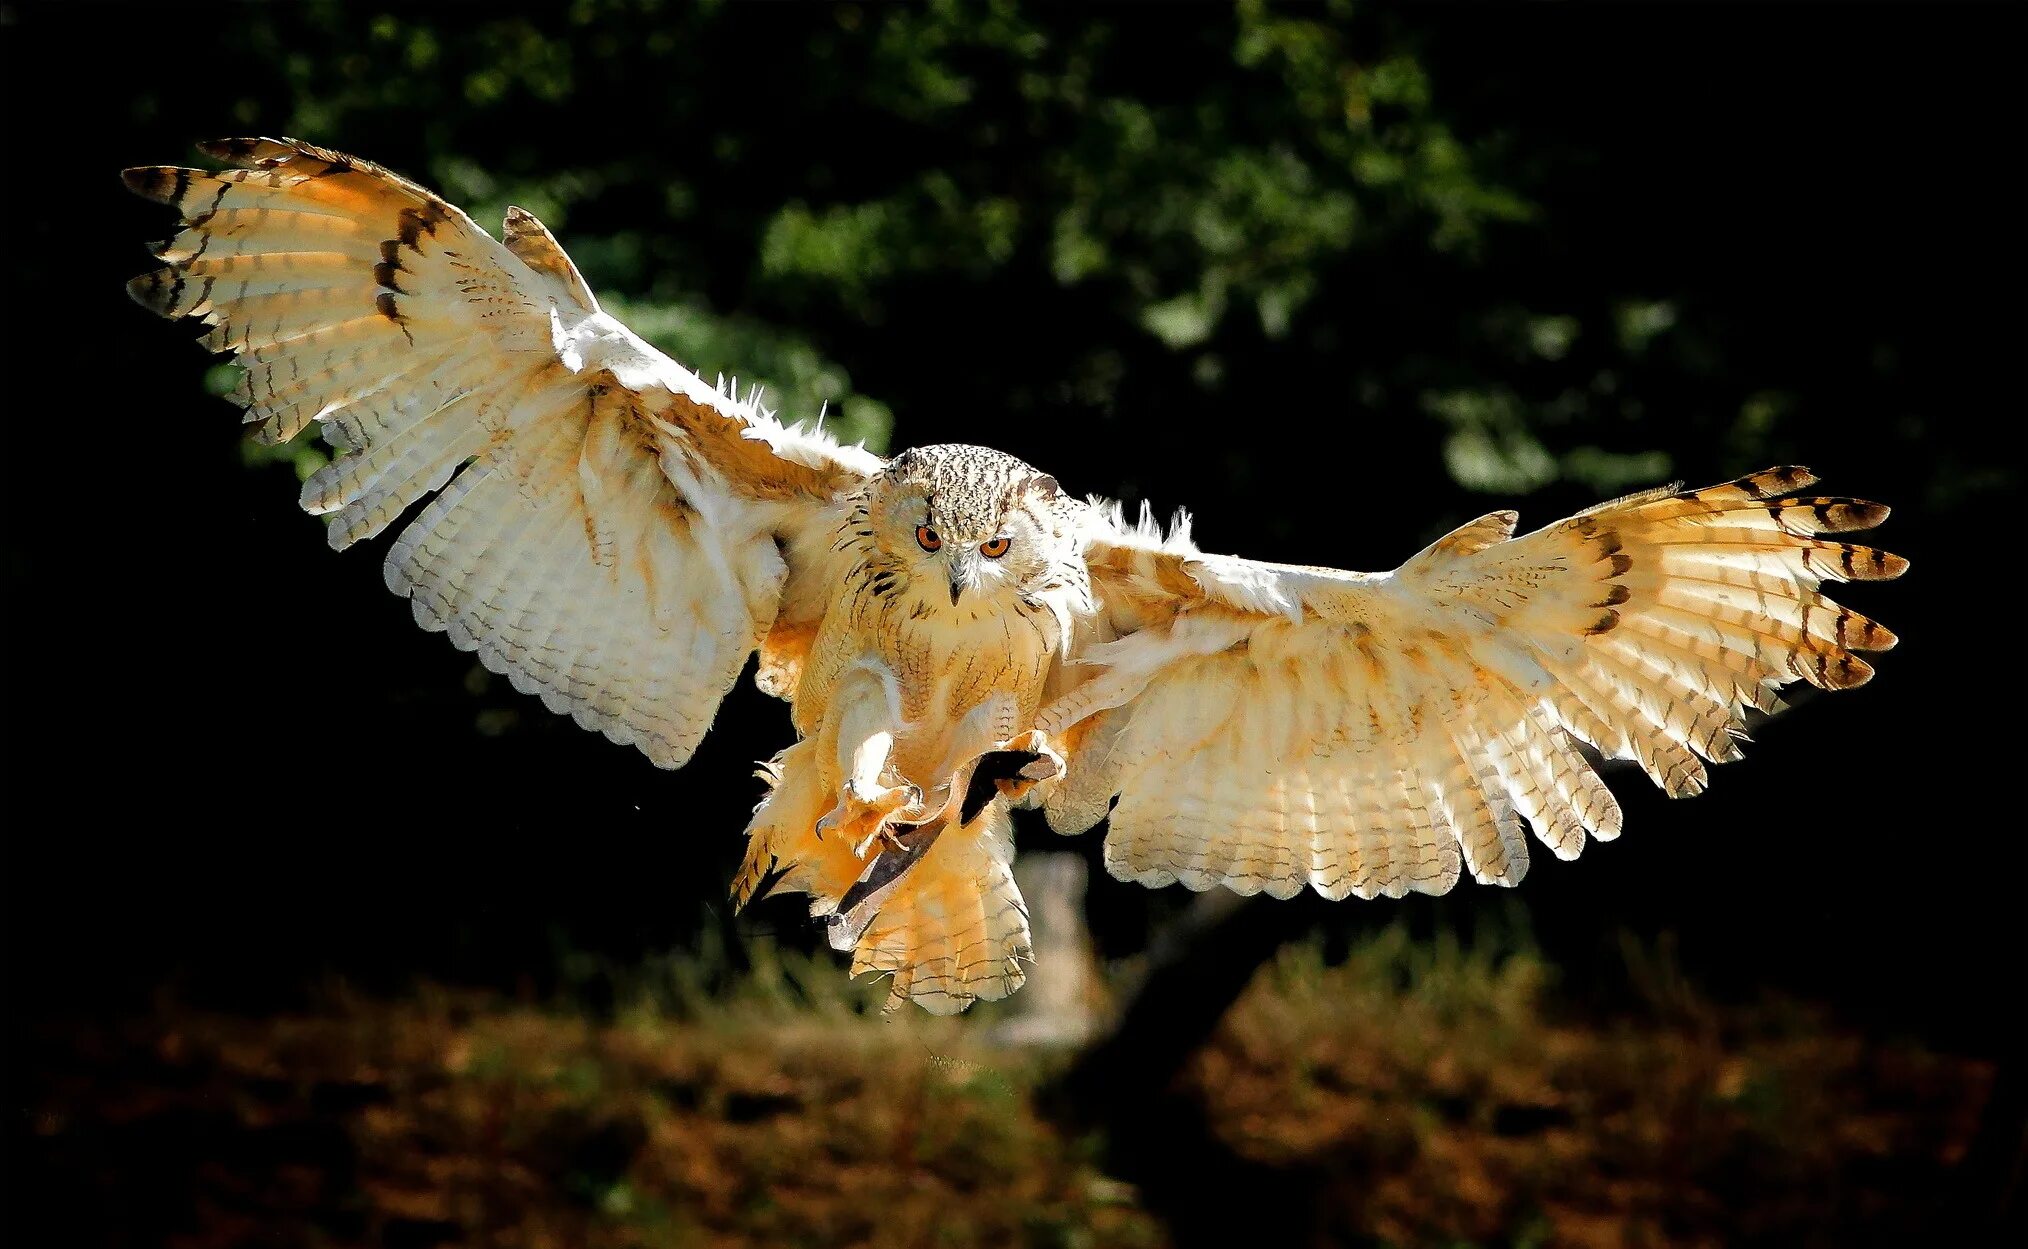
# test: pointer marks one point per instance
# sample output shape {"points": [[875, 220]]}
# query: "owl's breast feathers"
{"points": [[932, 690], [947, 661]]}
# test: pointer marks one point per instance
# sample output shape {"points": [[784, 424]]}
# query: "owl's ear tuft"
{"points": [[1044, 485]]}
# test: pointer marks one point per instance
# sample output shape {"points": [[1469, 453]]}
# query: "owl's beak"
{"points": [[962, 573]]}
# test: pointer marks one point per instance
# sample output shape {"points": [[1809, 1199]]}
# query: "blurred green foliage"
{"points": [[769, 194]]}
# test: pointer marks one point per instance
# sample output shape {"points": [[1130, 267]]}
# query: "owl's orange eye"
{"points": [[994, 549], [926, 538]]}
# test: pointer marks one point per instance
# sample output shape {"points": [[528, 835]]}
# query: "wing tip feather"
{"points": [[1841, 515], [250, 152], [159, 183], [153, 290], [1779, 480], [1838, 670]]}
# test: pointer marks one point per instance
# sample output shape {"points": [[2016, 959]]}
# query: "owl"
{"points": [[956, 634]]}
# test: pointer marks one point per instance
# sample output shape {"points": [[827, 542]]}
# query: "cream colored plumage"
{"points": [[956, 634]]}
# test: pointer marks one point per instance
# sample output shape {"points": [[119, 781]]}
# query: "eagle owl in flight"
{"points": [[956, 633]]}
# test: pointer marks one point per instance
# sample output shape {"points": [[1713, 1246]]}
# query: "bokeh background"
{"points": [[319, 935]]}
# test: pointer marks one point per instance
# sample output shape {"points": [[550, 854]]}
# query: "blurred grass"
{"points": [[1446, 1094], [1431, 1092]]}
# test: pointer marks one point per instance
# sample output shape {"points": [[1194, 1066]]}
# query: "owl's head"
{"points": [[977, 521]]}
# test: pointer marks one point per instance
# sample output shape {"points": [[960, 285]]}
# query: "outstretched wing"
{"points": [[610, 533], [1266, 727]]}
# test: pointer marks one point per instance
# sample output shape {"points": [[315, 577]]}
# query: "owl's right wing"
{"points": [[1267, 727], [609, 531]]}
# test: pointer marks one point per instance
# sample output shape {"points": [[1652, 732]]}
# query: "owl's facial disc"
{"points": [[967, 522], [972, 552], [972, 555]]}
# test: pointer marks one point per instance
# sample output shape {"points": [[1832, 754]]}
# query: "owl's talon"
{"points": [[885, 835], [872, 809]]}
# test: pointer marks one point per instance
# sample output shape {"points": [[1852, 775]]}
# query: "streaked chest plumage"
{"points": [[949, 660]]}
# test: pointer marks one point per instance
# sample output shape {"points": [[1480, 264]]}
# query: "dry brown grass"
{"points": [[1431, 1091], [1441, 1099]]}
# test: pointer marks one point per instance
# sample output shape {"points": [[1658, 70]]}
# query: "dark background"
{"points": [[1370, 276]]}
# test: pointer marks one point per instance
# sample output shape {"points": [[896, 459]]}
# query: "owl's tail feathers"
{"points": [[938, 911], [955, 928]]}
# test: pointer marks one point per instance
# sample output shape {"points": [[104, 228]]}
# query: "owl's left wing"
{"points": [[608, 530], [1265, 727]]}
